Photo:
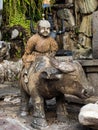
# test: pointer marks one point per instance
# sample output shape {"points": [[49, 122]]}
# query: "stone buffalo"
{"points": [[48, 78]]}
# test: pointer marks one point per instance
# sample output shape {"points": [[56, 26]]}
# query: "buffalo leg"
{"points": [[39, 120], [24, 103], [62, 114]]}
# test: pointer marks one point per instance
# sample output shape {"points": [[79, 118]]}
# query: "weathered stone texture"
{"points": [[95, 35]]}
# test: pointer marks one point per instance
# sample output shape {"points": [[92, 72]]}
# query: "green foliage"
{"points": [[20, 19], [18, 53], [16, 11], [52, 2]]}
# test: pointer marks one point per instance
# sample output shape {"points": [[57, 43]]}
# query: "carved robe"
{"points": [[86, 8], [38, 45], [83, 15]]}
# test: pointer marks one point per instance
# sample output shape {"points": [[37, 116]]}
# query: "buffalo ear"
{"points": [[65, 67], [54, 62]]}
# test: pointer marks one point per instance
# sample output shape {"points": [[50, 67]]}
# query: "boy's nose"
{"points": [[45, 29]]}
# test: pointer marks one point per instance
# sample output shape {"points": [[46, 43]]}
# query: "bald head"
{"points": [[44, 23]]}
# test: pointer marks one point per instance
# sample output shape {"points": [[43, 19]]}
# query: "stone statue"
{"points": [[69, 23], [77, 16], [64, 12], [83, 12], [47, 78], [39, 44]]}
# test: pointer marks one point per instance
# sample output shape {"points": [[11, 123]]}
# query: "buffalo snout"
{"points": [[87, 92]]}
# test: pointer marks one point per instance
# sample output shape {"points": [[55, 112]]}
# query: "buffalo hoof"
{"points": [[39, 123]]}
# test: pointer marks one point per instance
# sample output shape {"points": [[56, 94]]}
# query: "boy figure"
{"points": [[39, 44]]}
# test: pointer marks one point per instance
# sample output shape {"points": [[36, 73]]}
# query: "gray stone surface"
{"points": [[9, 70], [95, 35], [88, 115], [12, 124]]}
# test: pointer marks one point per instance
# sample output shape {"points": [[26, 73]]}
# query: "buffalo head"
{"points": [[68, 77]]}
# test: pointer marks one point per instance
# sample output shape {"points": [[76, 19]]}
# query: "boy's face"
{"points": [[44, 28], [44, 31]]}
